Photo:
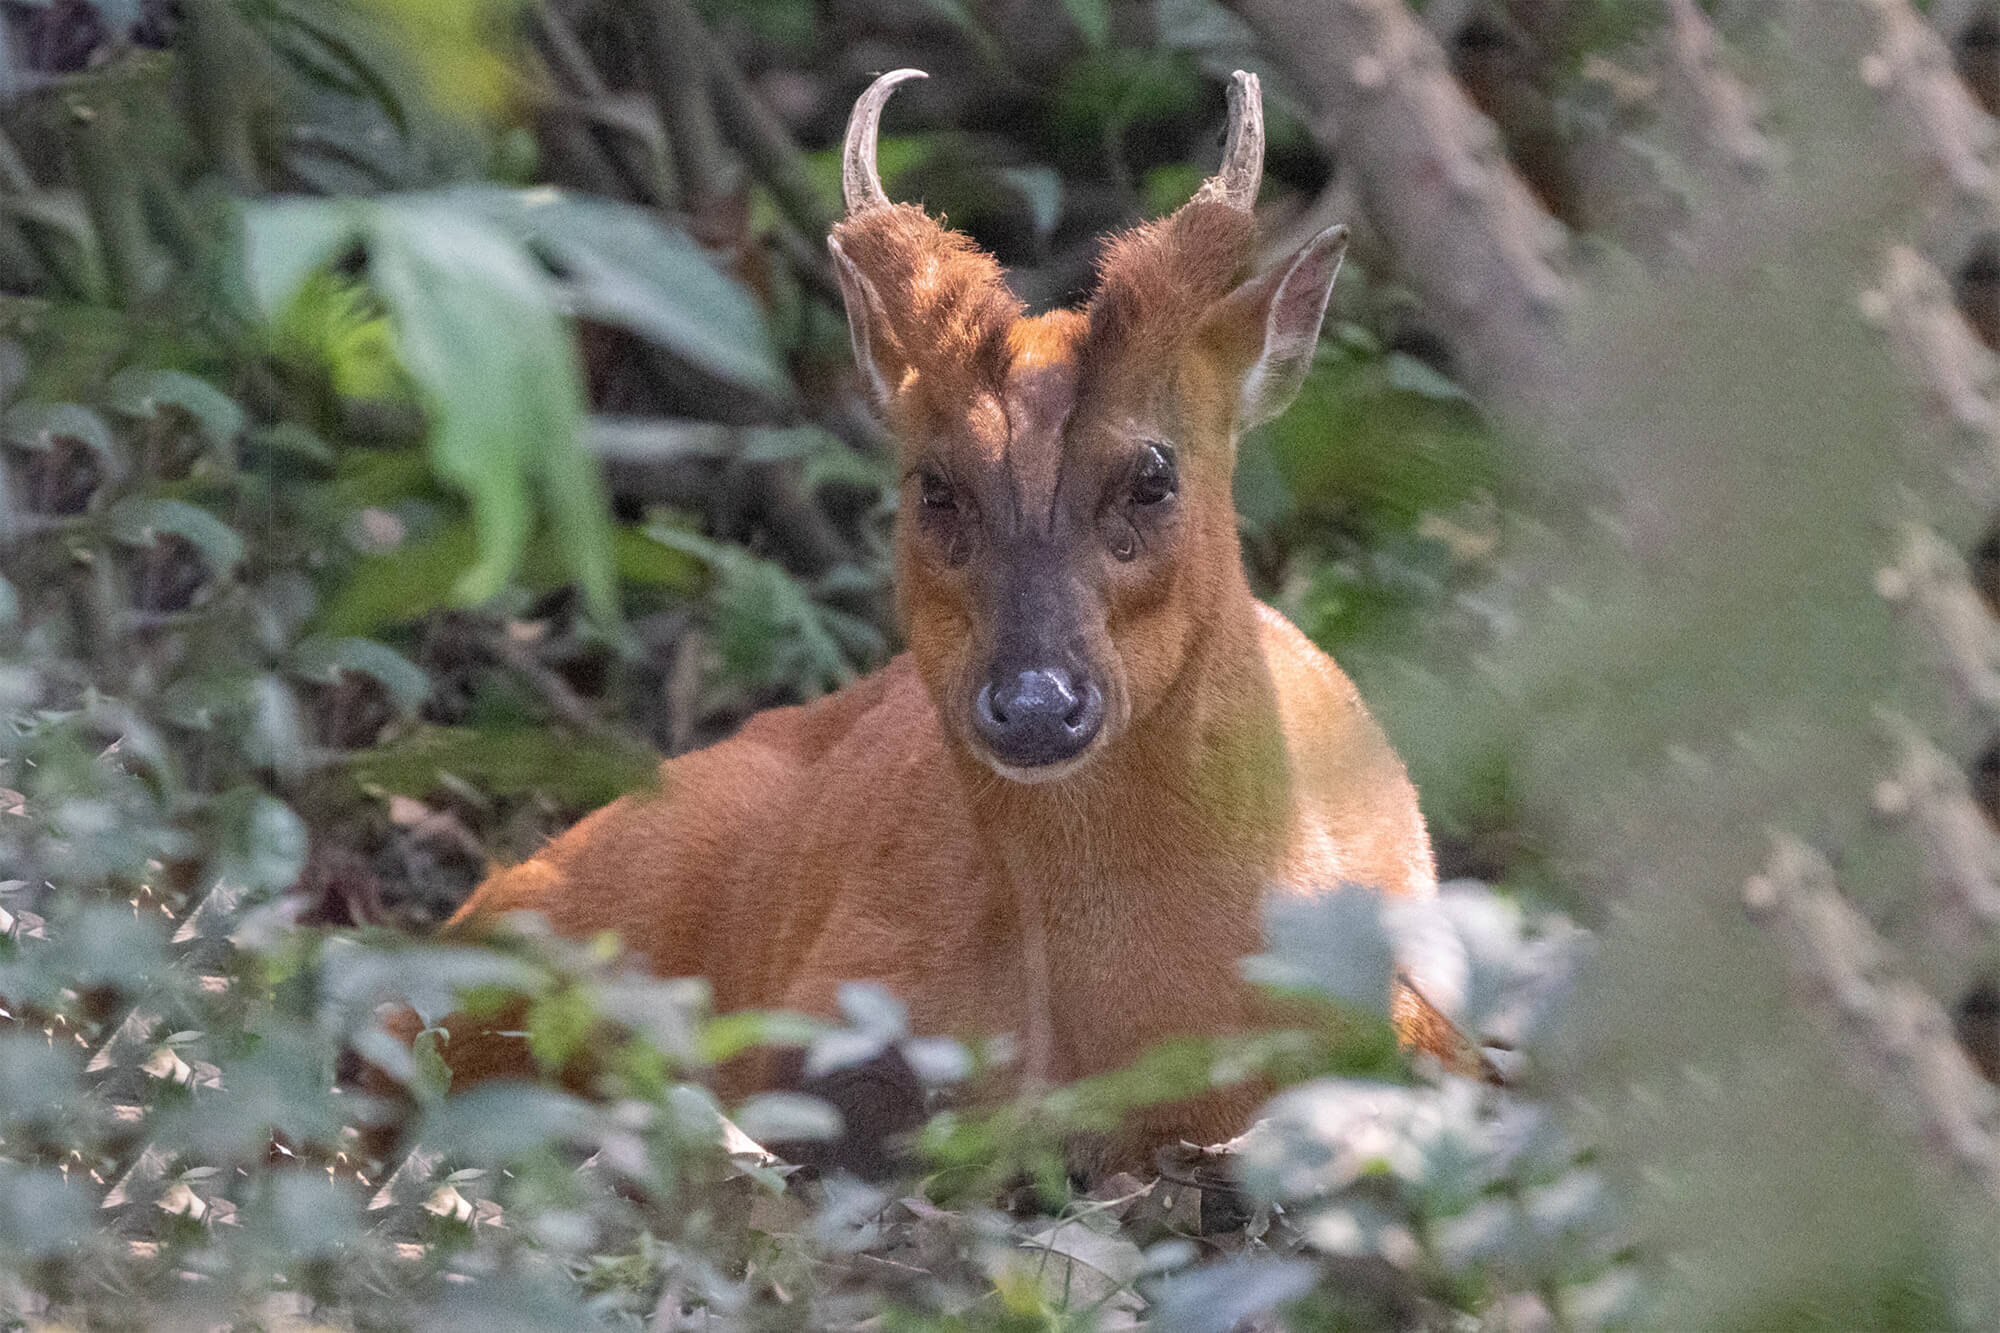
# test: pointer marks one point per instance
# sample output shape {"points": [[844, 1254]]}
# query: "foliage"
{"points": [[416, 417]]}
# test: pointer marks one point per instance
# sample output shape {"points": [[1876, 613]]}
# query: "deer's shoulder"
{"points": [[1355, 818]]}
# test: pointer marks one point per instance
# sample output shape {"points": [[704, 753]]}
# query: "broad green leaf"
{"points": [[1092, 19], [730, 1035], [479, 332], [138, 519], [1407, 373], [287, 240], [308, 1216], [142, 393], [39, 425], [293, 442], [560, 1024], [642, 560], [413, 580], [787, 1117], [625, 266], [497, 1121], [578, 772], [416, 577], [262, 842], [323, 659], [112, 945], [275, 734]]}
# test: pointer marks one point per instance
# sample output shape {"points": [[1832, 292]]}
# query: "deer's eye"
{"points": [[936, 493], [1155, 480]]}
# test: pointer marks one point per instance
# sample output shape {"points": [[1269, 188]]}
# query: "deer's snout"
{"points": [[1038, 717]]}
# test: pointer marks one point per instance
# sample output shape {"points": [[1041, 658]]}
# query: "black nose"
{"points": [[1038, 717]]}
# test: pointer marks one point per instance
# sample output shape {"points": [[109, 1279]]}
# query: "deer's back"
{"points": [[826, 828]]}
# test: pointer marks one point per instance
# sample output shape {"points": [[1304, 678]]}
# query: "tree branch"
{"points": [[1710, 108], [1947, 130], [1961, 853], [1468, 234], [1894, 1035]]}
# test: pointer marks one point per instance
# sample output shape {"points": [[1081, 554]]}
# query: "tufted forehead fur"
{"points": [[952, 320]]}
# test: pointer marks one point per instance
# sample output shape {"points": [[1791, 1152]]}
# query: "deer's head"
{"points": [[1067, 528]]}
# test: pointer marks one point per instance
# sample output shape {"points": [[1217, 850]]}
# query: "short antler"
{"points": [[1242, 155], [861, 183]]}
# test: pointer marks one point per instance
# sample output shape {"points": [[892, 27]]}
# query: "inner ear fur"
{"points": [[1265, 331]]}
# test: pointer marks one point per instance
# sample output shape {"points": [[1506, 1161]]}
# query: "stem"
{"points": [[103, 176], [669, 37]]}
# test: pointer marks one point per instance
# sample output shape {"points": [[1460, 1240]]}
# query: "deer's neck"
{"points": [[1136, 883]]}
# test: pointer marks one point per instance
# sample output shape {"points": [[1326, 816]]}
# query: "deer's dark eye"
{"points": [[936, 493], [1155, 480]]}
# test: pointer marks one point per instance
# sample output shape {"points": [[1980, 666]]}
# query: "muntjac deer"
{"points": [[1058, 814]]}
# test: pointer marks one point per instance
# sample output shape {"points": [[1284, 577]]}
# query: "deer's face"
{"points": [[1058, 537], [1066, 518]]}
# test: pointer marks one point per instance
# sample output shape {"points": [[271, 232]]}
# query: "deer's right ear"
{"points": [[875, 351]]}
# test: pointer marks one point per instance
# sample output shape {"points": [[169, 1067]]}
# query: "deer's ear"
{"points": [[875, 350], [1268, 327]]}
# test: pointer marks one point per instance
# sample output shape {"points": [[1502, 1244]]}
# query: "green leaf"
{"points": [[512, 762], [286, 240], [290, 441], [276, 735], [769, 628], [641, 559], [478, 331], [560, 1024], [787, 1117], [40, 425], [1410, 375], [730, 1035], [142, 393], [139, 518], [627, 267], [323, 659], [1092, 19], [411, 581], [262, 842]]}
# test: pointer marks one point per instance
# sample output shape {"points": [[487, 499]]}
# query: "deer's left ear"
{"points": [[1269, 326]]}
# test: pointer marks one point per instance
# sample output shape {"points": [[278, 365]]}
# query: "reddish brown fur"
{"points": [[869, 836], [948, 304]]}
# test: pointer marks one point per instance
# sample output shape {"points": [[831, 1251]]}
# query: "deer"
{"points": [[1057, 815]]}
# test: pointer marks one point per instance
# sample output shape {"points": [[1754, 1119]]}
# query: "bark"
{"points": [[1467, 233], [1948, 133], [1897, 1040], [1709, 110], [1961, 856]]}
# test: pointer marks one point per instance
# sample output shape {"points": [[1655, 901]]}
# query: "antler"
{"points": [[860, 182], [1242, 155]]}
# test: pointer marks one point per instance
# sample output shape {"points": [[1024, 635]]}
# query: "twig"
{"points": [[1895, 1035], [639, 163], [669, 37], [557, 695], [1469, 236], [756, 132]]}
